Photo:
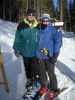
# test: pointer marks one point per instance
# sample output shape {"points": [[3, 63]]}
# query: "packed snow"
{"points": [[65, 67]]}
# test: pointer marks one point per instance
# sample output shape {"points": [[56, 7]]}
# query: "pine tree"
{"points": [[73, 17]]}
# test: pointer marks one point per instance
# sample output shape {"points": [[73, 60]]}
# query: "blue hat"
{"points": [[46, 16]]}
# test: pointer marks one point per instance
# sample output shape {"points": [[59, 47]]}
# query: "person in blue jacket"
{"points": [[49, 44]]}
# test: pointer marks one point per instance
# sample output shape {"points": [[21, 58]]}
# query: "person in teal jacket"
{"points": [[25, 43]]}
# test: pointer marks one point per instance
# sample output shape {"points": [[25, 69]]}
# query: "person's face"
{"points": [[45, 22], [30, 17]]}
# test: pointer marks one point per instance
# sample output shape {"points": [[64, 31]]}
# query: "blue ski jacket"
{"points": [[50, 39]]}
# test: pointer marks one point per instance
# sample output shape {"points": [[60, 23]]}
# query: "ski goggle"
{"points": [[30, 14], [45, 20]]}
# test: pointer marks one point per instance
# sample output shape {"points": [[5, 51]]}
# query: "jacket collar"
{"points": [[32, 24]]}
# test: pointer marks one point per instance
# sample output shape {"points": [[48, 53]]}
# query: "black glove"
{"points": [[17, 54], [53, 59]]}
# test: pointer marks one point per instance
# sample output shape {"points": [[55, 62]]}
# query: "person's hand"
{"points": [[17, 54], [53, 60]]}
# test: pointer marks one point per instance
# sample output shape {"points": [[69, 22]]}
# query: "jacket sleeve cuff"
{"points": [[55, 55]]}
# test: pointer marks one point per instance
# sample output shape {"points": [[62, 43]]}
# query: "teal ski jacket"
{"points": [[26, 38]]}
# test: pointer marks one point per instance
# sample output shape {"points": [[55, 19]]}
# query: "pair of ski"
{"points": [[49, 95]]}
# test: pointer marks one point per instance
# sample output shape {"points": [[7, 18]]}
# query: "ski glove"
{"points": [[53, 59], [17, 54]]}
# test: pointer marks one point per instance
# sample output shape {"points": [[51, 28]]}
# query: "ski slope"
{"points": [[65, 67]]}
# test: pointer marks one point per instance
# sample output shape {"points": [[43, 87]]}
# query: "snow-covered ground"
{"points": [[13, 66], [65, 67], [66, 63]]}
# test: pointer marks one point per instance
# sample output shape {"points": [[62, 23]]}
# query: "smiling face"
{"points": [[30, 17], [45, 21]]}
